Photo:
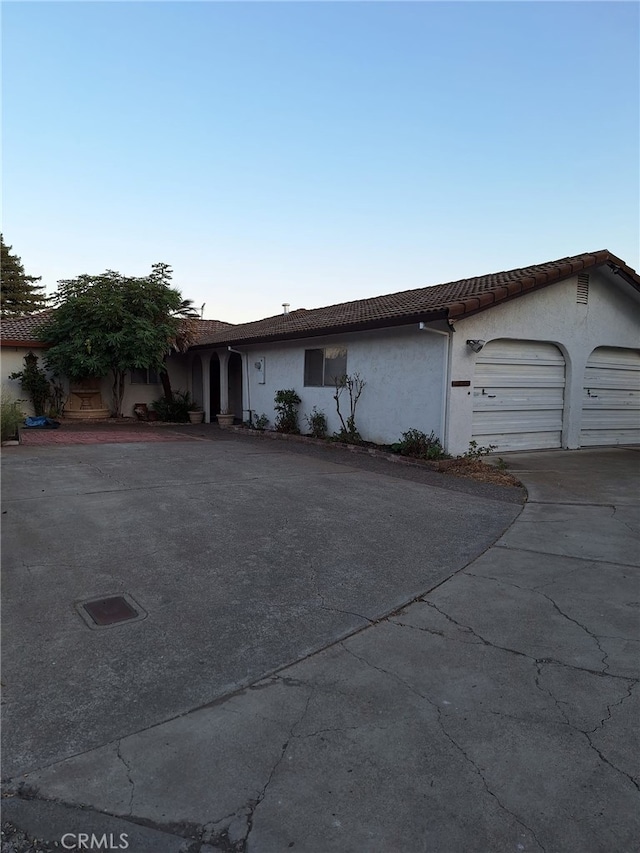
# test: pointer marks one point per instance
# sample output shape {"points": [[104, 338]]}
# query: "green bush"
{"points": [[261, 422], [317, 422], [475, 451], [11, 416], [419, 445], [35, 383], [176, 410], [286, 403]]}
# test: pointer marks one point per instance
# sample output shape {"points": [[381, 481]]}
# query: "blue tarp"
{"points": [[41, 423]]}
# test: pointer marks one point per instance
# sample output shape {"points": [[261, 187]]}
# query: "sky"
{"points": [[317, 152]]}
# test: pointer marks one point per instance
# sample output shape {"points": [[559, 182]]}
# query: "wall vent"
{"points": [[582, 293]]}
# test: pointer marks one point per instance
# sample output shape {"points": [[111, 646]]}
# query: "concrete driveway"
{"points": [[267, 703]]}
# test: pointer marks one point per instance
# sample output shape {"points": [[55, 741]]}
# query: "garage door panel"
{"points": [[519, 440], [611, 398], [518, 395]]}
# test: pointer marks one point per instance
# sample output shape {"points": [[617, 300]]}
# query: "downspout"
{"points": [[444, 423], [246, 364]]}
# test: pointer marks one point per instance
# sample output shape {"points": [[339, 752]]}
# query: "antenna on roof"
{"points": [[202, 310], [285, 306]]}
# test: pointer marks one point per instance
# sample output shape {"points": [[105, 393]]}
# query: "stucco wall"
{"points": [[610, 318], [138, 393], [403, 370], [12, 361]]}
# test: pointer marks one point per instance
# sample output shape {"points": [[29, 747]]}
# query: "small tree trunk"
{"points": [[118, 391], [166, 386]]}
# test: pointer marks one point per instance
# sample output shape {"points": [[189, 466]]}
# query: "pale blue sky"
{"points": [[314, 153]]}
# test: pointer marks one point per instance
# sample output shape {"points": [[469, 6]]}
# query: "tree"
{"points": [[112, 323], [186, 333], [18, 292]]}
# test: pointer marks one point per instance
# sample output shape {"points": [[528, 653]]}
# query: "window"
{"points": [[144, 376], [324, 366]]}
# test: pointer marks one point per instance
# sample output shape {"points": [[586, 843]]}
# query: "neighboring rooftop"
{"points": [[22, 330], [441, 301]]}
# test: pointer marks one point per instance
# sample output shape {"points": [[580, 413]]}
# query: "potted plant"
{"points": [[196, 413], [225, 418]]}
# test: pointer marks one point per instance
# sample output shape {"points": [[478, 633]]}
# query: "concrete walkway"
{"points": [[497, 713]]}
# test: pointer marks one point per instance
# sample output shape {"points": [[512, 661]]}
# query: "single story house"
{"points": [[545, 356]]}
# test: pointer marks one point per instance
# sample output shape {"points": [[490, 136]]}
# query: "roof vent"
{"points": [[285, 307], [582, 292]]}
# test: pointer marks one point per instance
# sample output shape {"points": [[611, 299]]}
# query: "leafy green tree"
{"points": [[112, 323], [18, 292]]}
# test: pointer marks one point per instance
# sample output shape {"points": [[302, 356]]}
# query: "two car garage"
{"points": [[519, 396]]}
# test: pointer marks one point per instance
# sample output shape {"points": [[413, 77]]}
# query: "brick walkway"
{"points": [[100, 433]]}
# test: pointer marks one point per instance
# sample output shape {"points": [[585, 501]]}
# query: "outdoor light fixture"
{"points": [[475, 345]]}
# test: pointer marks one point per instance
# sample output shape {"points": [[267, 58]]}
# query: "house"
{"points": [[544, 356], [18, 338]]}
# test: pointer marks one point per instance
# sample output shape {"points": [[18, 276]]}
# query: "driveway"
{"points": [[282, 693]]}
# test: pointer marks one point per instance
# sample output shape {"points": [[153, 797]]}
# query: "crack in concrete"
{"points": [[588, 732], [635, 530], [324, 605], [587, 559], [449, 737], [556, 607], [128, 769], [347, 613], [105, 474], [609, 715], [253, 805], [436, 633], [613, 766], [555, 661]]}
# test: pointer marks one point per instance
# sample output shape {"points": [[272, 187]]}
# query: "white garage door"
{"points": [[611, 400], [518, 395]]}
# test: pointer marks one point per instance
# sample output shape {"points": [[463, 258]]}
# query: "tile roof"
{"points": [[22, 330], [211, 327], [453, 301]]}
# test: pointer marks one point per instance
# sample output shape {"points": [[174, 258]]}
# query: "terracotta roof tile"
{"points": [[211, 327], [22, 329], [453, 300]]}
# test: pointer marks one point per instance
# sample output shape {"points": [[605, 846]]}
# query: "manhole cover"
{"points": [[110, 610]]}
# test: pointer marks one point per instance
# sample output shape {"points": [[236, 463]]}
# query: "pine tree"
{"points": [[18, 292]]}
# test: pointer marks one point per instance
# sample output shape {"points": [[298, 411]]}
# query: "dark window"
{"points": [[144, 376], [324, 366], [313, 364]]}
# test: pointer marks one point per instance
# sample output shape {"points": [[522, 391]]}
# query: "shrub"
{"points": [[317, 422], [11, 416], [354, 385], [45, 396], [475, 451], [286, 403], [261, 422], [419, 445], [175, 410]]}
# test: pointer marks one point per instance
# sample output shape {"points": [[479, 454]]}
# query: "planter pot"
{"points": [[196, 417], [225, 420]]}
